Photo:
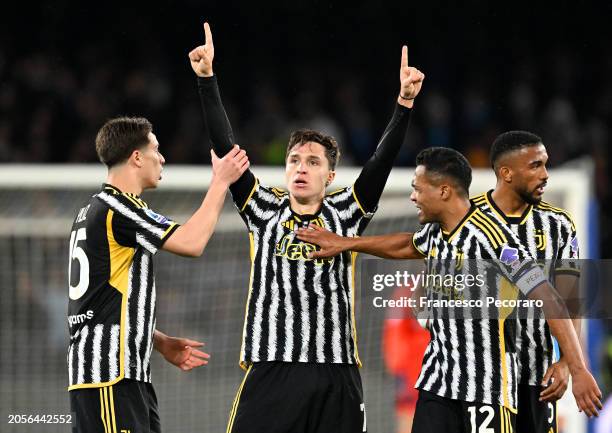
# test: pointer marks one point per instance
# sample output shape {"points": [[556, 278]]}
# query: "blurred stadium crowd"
{"points": [[284, 66]]}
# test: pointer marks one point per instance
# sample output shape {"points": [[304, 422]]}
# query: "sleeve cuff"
{"points": [[401, 109], [417, 248], [168, 233], [567, 271], [400, 113], [204, 82]]}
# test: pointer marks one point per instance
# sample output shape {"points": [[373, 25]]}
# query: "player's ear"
{"points": [[445, 192], [330, 177], [505, 173], [136, 158]]}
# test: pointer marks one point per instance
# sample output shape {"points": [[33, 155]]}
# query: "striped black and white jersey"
{"points": [[111, 308], [299, 309], [474, 359], [549, 234]]}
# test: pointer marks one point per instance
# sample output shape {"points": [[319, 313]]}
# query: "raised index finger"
{"points": [[208, 34], [404, 56]]}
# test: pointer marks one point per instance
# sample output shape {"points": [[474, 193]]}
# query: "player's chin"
{"points": [[421, 215], [300, 193], [535, 198]]}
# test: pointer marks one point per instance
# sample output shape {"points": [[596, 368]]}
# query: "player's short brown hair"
{"points": [[119, 137], [301, 136]]}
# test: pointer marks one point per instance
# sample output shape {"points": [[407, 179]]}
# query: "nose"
{"points": [[301, 168], [413, 196], [162, 160], [544, 174]]}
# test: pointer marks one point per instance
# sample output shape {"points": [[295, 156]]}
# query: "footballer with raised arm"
{"points": [[299, 343], [111, 308]]}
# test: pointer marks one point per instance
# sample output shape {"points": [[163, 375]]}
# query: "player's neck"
{"points": [[508, 201], [124, 180], [308, 206], [454, 213]]}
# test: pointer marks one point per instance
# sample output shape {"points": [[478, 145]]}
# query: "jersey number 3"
{"points": [[78, 253]]}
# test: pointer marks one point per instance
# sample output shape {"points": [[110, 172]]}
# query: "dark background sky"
{"points": [[67, 66]]}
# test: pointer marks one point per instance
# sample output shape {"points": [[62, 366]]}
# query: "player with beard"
{"points": [[469, 376], [519, 160]]}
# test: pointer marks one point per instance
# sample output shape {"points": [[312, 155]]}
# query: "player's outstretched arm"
{"points": [[218, 124], [181, 352], [586, 392], [191, 238], [391, 246], [371, 182]]}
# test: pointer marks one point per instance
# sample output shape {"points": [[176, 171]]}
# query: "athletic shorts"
{"points": [[534, 415], [435, 414], [286, 397], [129, 406]]}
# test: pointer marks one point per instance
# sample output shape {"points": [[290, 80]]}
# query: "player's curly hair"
{"points": [[119, 137], [511, 141], [448, 163], [301, 136]]}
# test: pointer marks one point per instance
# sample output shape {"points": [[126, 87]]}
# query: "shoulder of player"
{"points": [[342, 197], [557, 213], [339, 197], [480, 199], [426, 229], [489, 224], [561, 214], [482, 202], [279, 193], [421, 237], [336, 192], [122, 201]]}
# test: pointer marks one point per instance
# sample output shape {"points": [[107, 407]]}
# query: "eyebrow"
{"points": [[308, 156]]}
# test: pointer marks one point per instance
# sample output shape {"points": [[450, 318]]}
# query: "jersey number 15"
{"points": [[78, 253]]}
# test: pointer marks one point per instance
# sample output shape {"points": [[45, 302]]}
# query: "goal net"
{"points": [[200, 298]]}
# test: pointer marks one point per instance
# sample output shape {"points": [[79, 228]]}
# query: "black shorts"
{"points": [[533, 415], [284, 397], [128, 406], [435, 414]]}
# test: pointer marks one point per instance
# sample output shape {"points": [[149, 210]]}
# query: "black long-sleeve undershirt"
{"points": [[371, 182], [368, 186], [221, 134]]}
